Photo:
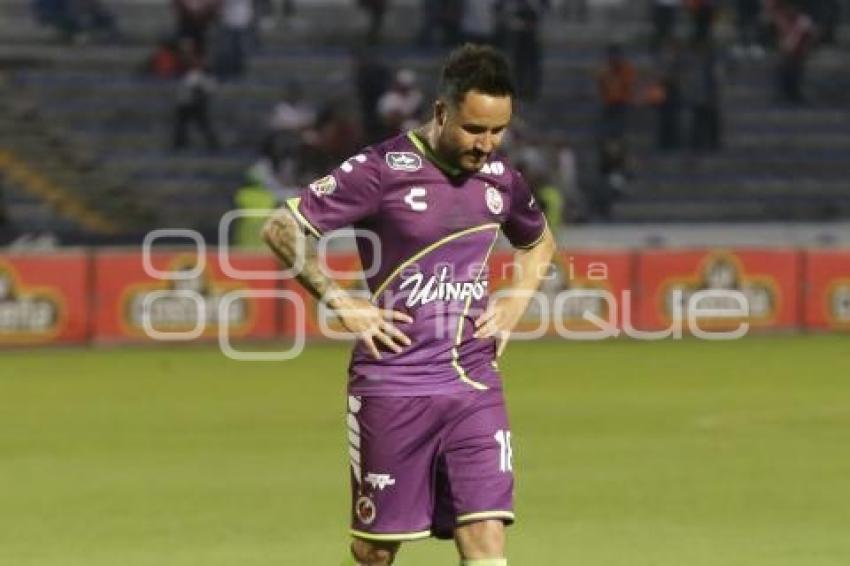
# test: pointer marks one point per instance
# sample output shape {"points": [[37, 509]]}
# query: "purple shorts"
{"points": [[420, 466]]}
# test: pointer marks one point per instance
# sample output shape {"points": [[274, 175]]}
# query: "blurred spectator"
{"points": [[233, 36], [252, 198], [827, 17], [166, 62], [669, 107], [614, 176], [796, 34], [703, 96], [703, 13], [335, 137], [372, 78], [194, 19], [748, 21], [663, 21], [77, 20], [531, 164], [615, 81], [376, 10], [523, 22], [193, 102], [289, 120], [479, 21], [399, 107]]}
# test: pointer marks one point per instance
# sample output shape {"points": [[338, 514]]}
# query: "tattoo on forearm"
{"points": [[283, 235]]}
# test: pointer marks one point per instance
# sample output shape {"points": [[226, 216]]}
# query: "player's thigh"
{"points": [[393, 443], [478, 460]]}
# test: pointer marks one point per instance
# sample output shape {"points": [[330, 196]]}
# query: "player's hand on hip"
{"points": [[500, 318], [371, 324]]}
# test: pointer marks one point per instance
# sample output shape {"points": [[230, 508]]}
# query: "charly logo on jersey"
{"points": [[324, 186], [493, 168], [32, 313], [415, 199], [494, 199], [404, 161], [380, 481], [440, 288]]}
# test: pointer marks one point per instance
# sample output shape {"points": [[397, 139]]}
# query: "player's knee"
{"points": [[373, 553], [481, 539]]}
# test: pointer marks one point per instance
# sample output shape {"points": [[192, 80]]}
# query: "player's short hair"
{"points": [[475, 67]]}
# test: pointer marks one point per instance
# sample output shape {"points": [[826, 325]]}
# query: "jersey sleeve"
{"points": [[350, 193], [525, 224]]}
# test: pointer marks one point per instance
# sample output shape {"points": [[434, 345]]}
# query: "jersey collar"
{"points": [[431, 155]]}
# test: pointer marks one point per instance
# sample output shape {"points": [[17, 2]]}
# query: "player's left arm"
{"points": [[504, 312]]}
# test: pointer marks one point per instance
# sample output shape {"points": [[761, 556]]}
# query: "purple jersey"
{"points": [[436, 228]]}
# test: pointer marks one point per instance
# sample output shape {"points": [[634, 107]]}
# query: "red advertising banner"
{"points": [[676, 281], [44, 298], [183, 302], [582, 292], [828, 290]]}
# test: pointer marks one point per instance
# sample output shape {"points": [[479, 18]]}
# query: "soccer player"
{"points": [[428, 429]]}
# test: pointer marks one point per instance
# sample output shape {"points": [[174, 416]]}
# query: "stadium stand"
{"points": [[85, 118]]}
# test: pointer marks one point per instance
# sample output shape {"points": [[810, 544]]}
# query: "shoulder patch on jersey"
{"points": [[494, 199], [324, 186], [403, 161]]}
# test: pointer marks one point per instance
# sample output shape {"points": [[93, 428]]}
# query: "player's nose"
{"points": [[484, 143]]}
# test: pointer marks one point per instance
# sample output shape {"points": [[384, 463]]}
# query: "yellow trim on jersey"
{"points": [[391, 537], [459, 335], [426, 150], [486, 515], [539, 238], [383, 286], [293, 203]]}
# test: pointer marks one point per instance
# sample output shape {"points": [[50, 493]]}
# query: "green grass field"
{"points": [[637, 454]]}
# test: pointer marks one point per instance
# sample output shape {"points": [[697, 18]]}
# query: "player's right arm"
{"points": [[283, 234]]}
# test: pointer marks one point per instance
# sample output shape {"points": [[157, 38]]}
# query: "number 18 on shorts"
{"points": [[420, 466]]}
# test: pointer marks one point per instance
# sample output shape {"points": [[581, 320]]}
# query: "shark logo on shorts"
{"points": [[404, 161], [380, 481]]}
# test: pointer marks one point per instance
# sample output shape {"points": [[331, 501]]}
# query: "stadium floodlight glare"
{"points": [[233, 272], [300, 325], [187, 335], [200, 249]]}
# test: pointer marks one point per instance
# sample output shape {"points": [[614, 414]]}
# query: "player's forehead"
{"points": [[483, 109]]}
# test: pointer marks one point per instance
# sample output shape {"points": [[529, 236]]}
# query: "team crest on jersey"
{"points": [[324, 186], [494, 199], [404, 161], [365, 509]]}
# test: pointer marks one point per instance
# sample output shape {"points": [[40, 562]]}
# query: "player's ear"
{"points": [[440, 111]]}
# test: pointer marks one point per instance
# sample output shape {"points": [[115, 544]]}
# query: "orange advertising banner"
{"points": [[717, 284], [176, 299], [828, 290], [44, 298]]}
